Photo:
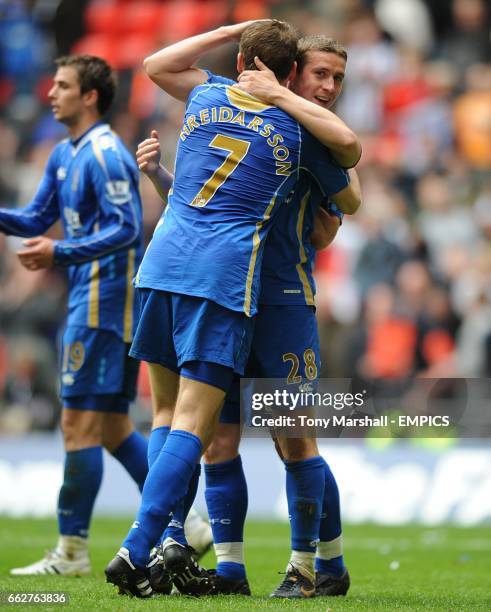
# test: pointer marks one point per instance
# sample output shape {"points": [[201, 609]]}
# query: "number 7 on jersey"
{"points": [[237, 150]]}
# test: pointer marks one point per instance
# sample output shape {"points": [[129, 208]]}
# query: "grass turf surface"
{"points": [[392, 568]]}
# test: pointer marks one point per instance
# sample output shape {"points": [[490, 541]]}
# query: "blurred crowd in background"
{"points": [[404, 290]]}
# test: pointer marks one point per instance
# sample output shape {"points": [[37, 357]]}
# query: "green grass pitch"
{"points": [[392, 568]]}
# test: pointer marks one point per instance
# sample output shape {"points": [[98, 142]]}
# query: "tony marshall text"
{"points": [[303, 420]]}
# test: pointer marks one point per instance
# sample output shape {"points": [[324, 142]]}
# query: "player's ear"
{"points": [[90, 97], [240, 63], [293, 73]]}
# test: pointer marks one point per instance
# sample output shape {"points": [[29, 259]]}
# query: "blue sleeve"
{"points": [[316, 158], [40, 214], [119, 209], [215, 78], [333, 210]]}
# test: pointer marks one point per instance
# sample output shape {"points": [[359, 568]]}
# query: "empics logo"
{"points": [[118, 192]]}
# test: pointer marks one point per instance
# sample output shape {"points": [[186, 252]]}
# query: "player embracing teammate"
{"points": [[241, 163]]}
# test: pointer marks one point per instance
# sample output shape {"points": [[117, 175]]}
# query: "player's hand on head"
{"points": [[261, 83], [38, 253], [148, 154], [234, 32], [261, 66]]}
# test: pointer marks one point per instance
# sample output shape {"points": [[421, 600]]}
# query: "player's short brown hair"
{"points": [[274, 43], [321, 43], [93, 73]]}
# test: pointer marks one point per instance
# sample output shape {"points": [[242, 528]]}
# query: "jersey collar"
{"points": [[93, 132]]}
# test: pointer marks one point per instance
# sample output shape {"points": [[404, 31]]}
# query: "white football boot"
{"points": [[69, 558]]}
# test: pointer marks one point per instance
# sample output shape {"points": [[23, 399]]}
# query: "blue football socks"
{"points": [[156, 442], [329, 559], [166, 484], [175, 530], [305, 491], [132, 454], [226, 499], [81, 481]]}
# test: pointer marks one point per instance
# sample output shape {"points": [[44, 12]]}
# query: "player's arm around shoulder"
{"points": [[322, 123], [172, 68]]}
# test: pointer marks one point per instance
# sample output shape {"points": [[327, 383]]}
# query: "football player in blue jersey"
{"points": [[290, 319], [91, 184], [285, 338], [199, 279]]}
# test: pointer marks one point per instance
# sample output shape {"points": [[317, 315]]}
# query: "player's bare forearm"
{"points": [[148, 160], [172, 68], [355, 183], [348, 200], [326, 227], [162, 181], [322, 123]]}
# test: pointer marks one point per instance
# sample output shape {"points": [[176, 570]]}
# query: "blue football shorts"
{"points": [[285, 346], [96, 371], [193, 336]]}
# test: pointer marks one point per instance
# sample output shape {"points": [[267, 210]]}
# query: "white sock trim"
{"points": [[73, 546], [230, 552], [303, 561], [330, 550]]}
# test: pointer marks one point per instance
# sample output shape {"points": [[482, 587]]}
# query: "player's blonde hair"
{"points": [[321, 43]]}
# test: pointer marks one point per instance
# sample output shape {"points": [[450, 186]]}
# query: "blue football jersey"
{"points": [[288, 259], [92, 185], [288, 262], [237, 160]]}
